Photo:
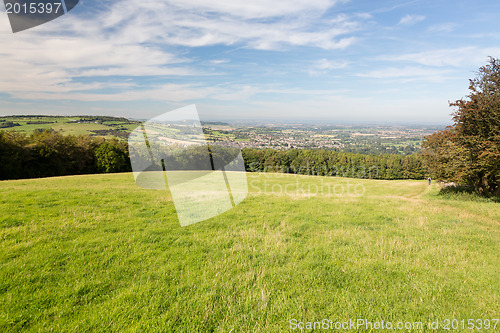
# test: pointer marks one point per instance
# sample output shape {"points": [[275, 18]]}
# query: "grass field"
{"points": [[97, 253], [67, 125]]}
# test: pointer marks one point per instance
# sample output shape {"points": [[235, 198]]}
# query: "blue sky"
{"points": [[334, 60]]}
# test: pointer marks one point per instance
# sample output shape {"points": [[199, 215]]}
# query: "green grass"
{"points": [[79, 129], [67, 125], [97, 253]]}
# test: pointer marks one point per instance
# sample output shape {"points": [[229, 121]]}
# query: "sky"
{"points": [[285, 60]]}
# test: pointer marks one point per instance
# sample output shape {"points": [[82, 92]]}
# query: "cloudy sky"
{"points": [[288, 60]]}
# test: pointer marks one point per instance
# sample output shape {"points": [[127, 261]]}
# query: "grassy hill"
{"points": [[98, 253], [108, 127]]}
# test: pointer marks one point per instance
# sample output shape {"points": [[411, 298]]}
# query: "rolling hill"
{"points": [[108, 127]]}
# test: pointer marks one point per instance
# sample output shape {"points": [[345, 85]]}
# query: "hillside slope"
{"points": [[98, 253]]}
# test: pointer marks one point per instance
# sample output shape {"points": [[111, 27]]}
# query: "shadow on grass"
{"points": [[467, 193]]}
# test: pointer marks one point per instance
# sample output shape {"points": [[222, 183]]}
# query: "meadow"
{"points": [[71, 125], [97, 253]]}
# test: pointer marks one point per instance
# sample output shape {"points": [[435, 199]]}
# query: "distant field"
{"points": [[71, 125], [97, 253], [366, 140]]}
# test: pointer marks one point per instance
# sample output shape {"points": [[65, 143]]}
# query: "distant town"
{"points": [[365, 139], [361, 139]]}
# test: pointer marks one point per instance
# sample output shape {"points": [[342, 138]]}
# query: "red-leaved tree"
{"points": [[469, 151]]}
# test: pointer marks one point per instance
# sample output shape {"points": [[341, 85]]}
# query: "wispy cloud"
{"points": [[56, 64], [469, 56], [252, 24], [407, 74], [126, 93], [323, 66], [411, 19], [443, 27], [220, 61], [255, 8], [132, 39]]}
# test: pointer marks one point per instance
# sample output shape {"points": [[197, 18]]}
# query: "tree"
{"points": [[110, 158], [11, 155], [469, 151], [441, 155]]}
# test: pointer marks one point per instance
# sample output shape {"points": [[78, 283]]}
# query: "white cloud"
{"points": [[365, 16], [53, 65], [469, 56], [220, 61], [132, 39], [255, 8], [125, 92], [411, 19], [189, 27], [330, 64], [407, 74], [253, 24], [323, 66], [443, 27]]}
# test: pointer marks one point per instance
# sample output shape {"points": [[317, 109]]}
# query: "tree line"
{"points": [[334, 163], [48, 153]]}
